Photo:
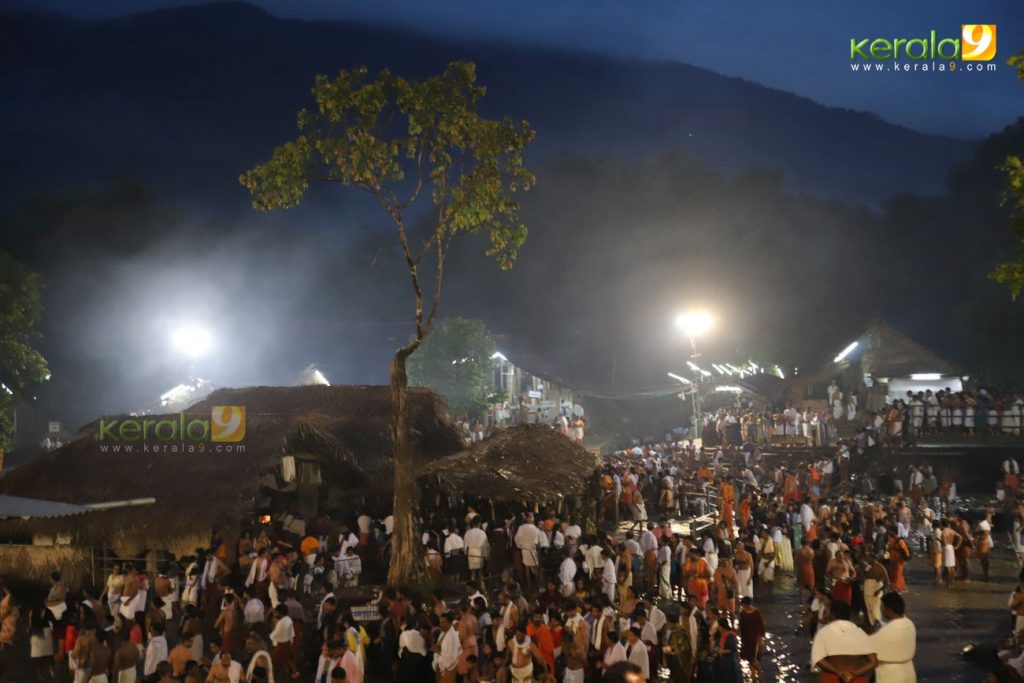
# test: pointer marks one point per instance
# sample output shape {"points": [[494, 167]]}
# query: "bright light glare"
{"points": [[845, 352], [192, 340], [730, 389], [678, 378], [695, 323], [926, 376], [498, 355]]}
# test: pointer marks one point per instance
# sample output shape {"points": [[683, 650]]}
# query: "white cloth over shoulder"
{"points": [[840, 638], [895, 644]]}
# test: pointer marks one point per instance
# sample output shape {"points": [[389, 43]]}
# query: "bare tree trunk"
{"points": [[407, 567]]}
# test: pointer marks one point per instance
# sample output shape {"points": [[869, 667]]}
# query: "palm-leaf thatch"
{"points": [[526, 463], [360, 417], [343, 428]]}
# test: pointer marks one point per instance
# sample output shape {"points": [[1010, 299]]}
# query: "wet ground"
{"points": [[946, 621]]}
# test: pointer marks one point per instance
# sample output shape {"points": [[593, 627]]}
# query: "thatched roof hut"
{"points": [[881, 361], [343, 429], [525, 463]]}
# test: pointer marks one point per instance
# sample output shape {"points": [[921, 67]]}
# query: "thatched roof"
{"points": [[526, 463], [881, 350], [887, 352], [344, 428]]}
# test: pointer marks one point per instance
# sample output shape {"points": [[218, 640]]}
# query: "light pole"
{"points": [[694, 324]]}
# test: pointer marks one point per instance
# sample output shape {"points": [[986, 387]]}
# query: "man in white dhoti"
{"points": [[637, 653], [895, 643], [951, 540], [526, 539], [608, 576], [665, 569], [875, 580], [710, 552], [766, 561], [567, 576], [522, 653], [842, 649], [477, 549], [792, 419], [447, 651]]}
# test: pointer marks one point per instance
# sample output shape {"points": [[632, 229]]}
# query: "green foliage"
{"points": [[1018, 62], [455, 361], [20, 364], [1011, 273], [396, 139]]}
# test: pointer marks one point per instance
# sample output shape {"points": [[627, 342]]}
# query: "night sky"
{"points": [[802, 47], [659, 185]]}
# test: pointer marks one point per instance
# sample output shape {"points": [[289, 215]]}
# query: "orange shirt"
{"points": [[541, 635]]}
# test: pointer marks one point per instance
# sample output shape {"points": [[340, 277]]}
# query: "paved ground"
{"points": [[946, 621]]}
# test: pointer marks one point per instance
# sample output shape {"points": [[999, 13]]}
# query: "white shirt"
{"points": [[389, 524], [476, 540], [284, 631], [895, 644], [593, 558], [451, 648], [615, 654], [648, 541], [412, 641], [656, 618], [567, 571], [527, 537], [364, 523], [638, 655], [254, 611], [156, 652], [806, 516], [351, 542], [453, 543], [608, 574]]}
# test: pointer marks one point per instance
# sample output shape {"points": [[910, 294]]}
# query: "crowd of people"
{"points": [[672, 590]]}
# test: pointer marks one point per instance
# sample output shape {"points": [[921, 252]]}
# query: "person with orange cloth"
{"points": [[813, 483], [744, 511], [696, 576], [899, 551], [790, 490], [727, 502], [541, 634]]}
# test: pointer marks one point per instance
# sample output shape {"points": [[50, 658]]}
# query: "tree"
{"points": [[21, 365], [400, 140], [1011, 273], [455, 361]]}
